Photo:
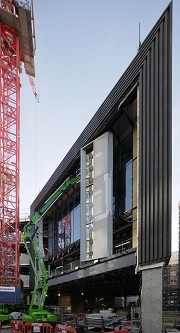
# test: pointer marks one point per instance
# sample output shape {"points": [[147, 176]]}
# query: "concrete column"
{"points": [[151, 298]]}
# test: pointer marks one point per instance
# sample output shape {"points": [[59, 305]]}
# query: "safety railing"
{"points": [[123, 246], [64, 268]]}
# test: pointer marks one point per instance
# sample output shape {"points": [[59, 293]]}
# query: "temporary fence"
{"points": [[64, 329], [38, 328], [12, 324], [16, 326]]}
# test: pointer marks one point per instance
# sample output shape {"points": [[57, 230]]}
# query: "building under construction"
{"points": [[108, 235]]}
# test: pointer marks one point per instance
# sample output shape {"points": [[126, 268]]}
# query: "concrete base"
{"points": [[151, 299]]}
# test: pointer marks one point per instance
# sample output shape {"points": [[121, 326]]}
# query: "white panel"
{"points": [[101, 155], [100, 239], [100, 198], [103, 180]]}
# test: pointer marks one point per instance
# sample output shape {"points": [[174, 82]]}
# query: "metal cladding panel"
{"points": [[136, 68], [155, 147]]}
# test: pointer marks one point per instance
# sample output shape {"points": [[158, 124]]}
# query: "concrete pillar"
{"points": [[151, 298]]}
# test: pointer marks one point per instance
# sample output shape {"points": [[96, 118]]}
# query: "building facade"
{"points": [[171, 289], [109, 234]]}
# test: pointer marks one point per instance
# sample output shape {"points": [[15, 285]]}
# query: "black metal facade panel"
{"points": [[155, 147], [128, 78]]}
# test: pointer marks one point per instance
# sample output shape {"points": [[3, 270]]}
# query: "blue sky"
{"points": [[83, 48]]}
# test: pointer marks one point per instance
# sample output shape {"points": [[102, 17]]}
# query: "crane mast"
{"points": [[9, 155], [16, 46]]}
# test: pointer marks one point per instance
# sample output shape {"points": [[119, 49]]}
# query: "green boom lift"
{"points": [[30, 236]]}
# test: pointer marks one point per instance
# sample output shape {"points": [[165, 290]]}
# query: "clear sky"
{"points": [[83, 48]]}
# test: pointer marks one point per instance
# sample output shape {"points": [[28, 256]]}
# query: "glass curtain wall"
{"points": [[122, 187], [123, 130], [64, 223]]}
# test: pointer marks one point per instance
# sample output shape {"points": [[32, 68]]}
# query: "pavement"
{"points": [[6, 329]]}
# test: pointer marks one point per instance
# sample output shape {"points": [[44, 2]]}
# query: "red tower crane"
{"points": [[17, 44]]}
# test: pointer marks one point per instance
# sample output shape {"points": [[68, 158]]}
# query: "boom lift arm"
{"points": [[31, 236], [40, 278]]}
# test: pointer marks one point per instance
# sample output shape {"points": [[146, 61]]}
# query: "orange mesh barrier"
{"points": [[16, 326], [12, 325], [70, 329], [38, 328], [64, 329], [60, 328]]}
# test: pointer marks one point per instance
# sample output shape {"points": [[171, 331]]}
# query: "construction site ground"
{"points": [[6, 329], [168, 328]]}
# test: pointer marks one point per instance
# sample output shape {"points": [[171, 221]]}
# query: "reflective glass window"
{"points": [[128, 186], [76, 223]]}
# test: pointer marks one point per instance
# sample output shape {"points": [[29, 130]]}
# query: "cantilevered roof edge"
{"points": [[130, 75]]}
